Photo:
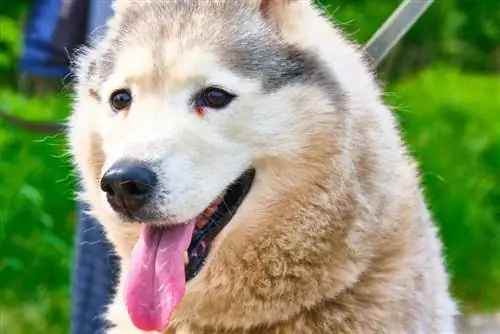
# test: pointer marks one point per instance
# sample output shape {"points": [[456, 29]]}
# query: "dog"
{"points": [[250, 176]]}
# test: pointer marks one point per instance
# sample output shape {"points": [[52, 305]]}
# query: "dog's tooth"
{"points": [[186, 258], [210, 211], [201, 222]]}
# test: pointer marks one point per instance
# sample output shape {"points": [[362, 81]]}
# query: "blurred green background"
{"points": [[442, 79]]}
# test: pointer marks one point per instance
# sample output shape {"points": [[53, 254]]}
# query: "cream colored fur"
{"points": [[334, 236]]}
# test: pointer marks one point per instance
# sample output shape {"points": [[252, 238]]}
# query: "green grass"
{"points": [[451, 121], [37, 221]]}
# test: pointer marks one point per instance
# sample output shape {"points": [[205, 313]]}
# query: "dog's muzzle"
{"points": [[129, 185]]}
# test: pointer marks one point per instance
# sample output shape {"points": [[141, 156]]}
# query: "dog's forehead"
{"points": [[166, 66], [215, 23], [191, 37], [152, 36]]}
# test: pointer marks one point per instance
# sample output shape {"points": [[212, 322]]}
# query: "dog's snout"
{"points": [[128, 185]]}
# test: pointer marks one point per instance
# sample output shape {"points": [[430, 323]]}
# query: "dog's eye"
{"points": [[120, 99], [213, 97]]}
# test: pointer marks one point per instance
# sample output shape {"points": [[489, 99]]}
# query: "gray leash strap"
{"points": [[396, 26]]}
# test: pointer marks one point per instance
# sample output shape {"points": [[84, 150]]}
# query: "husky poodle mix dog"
{"points": [[249, 175]]}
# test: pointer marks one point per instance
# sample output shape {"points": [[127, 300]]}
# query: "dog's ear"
{"points": [[268, 7], [282, 11]]}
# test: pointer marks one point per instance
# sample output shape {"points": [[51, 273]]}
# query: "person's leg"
{"points": [[93, 276], [95, 266], [49, 35]]}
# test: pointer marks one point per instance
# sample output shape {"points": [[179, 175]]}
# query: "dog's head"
{"points": [[183, 97]]}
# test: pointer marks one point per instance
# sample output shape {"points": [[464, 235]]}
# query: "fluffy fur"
{"points": [[334, 236]]}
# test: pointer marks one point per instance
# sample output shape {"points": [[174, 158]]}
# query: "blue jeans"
{"points": [[95, 269], [95, 266]]}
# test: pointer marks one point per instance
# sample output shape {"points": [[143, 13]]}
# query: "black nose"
{"points": [[128, 185]]}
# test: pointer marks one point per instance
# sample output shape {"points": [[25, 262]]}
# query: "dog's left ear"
{"points": [[281, 11]]}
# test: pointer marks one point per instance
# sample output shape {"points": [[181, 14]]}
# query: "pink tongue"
{"points": [[155, 282]]}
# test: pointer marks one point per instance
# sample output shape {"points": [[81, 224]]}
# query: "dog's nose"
{"points": [[127, 185]]}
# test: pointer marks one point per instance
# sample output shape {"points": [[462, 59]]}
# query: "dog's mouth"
{"points": [[213, 220], [164, 258]]}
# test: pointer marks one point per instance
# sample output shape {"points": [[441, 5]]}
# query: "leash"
{"points": [[394, 28], [386, 37]]}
